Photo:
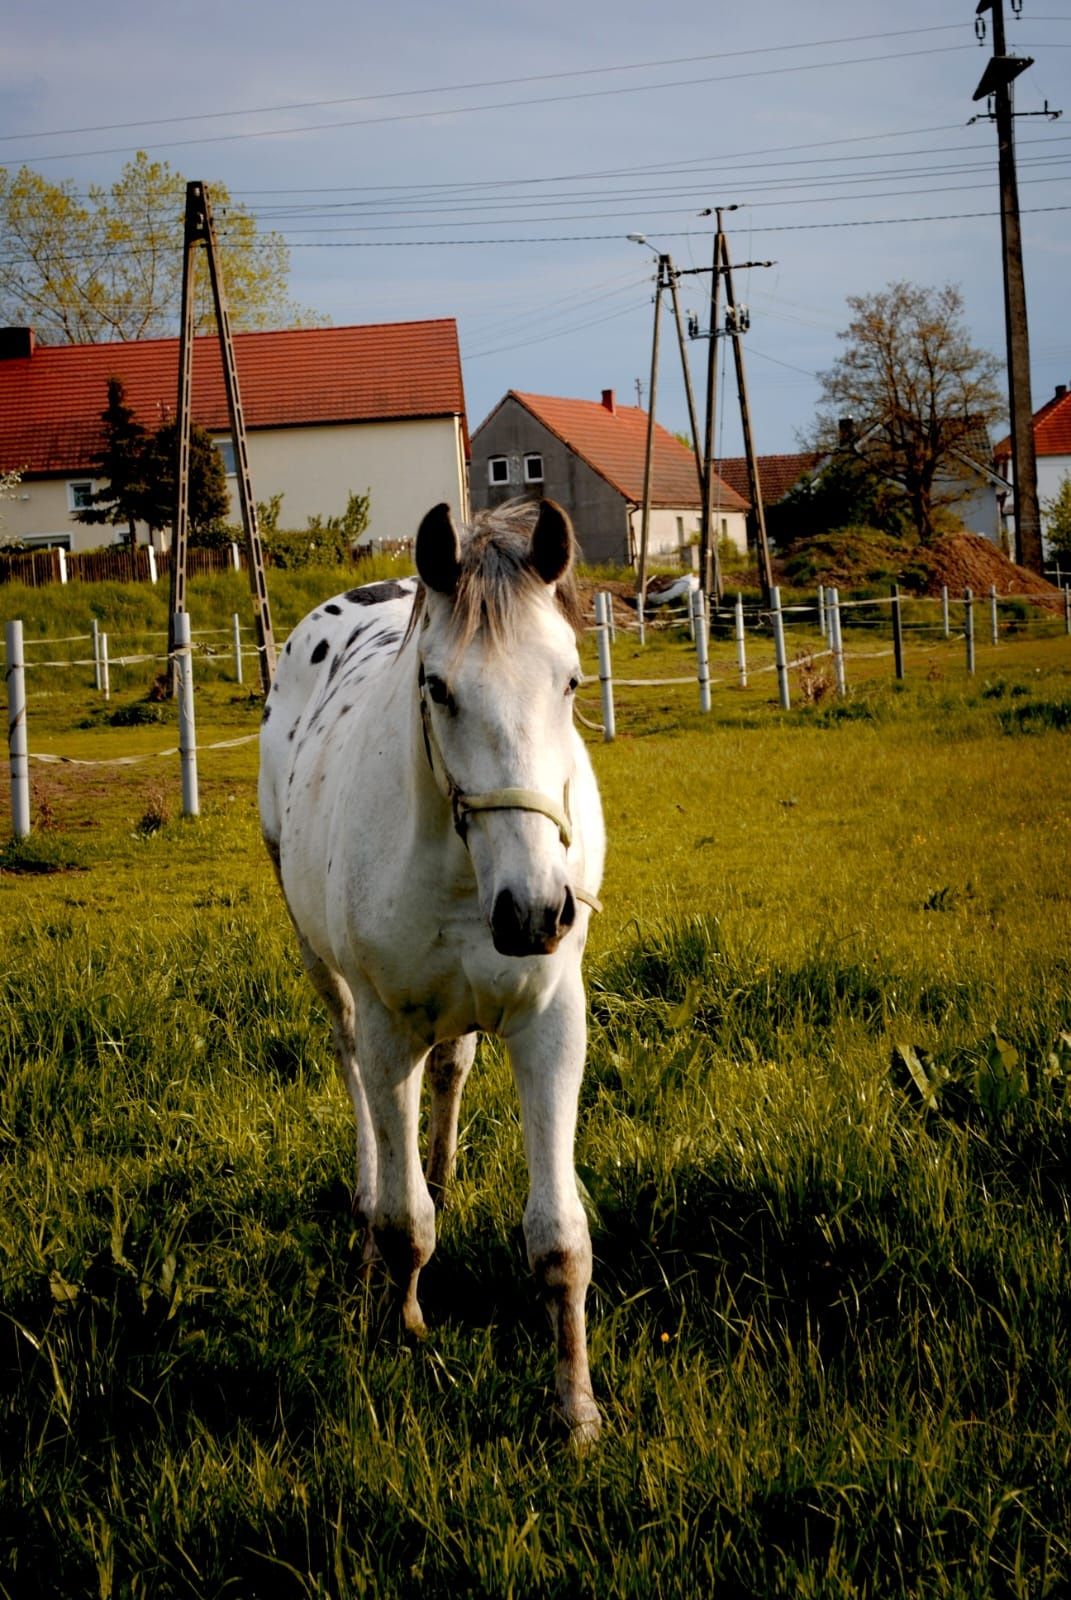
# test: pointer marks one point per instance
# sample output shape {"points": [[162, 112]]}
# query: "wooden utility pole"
{"points": [[997, 80], [687, 373], [709, 562], [199, 230], [735, 328]]}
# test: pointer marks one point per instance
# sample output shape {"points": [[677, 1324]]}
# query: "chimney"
{"points": [[845, 431], [16, 344], [1061, 390], [609, 402]]}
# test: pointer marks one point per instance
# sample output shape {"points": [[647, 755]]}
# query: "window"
{"points": [[80, 494], [533, 469], [497, 469], [225, 447]]}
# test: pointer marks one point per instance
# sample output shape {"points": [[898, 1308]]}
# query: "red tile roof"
{"points": [[1052, 429], [777, 474], [614, 444], [50, 402]]}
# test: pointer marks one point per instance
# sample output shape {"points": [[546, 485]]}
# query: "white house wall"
{"points": [[409, 466], [670, 528]]}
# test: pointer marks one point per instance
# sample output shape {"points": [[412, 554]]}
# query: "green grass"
{"points": [[824, 1143]]}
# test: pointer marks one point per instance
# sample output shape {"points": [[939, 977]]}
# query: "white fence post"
{"points": [[191, 806], [237, 649], [741, 646], [994, 628], [836, 640], [18, 746], [702, 654], [236, 560], [968, 628], [822, 610], [610, 615], [96, 653], [779, 648], [1067, 608], [61, 552], [640, 619], [105, 675], [152, 563], [606, 679], [944, 610], [693, 601]]}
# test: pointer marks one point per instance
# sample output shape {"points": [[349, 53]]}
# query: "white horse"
{"points": [[436, 827]]}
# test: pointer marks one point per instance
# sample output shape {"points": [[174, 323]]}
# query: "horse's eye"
{"points": [[574, 683], [440, 693]]}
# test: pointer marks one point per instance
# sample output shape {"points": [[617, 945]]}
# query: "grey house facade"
{"points": [[589, 456]]}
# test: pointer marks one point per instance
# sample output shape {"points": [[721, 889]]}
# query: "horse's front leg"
{"points": [[402, 1214], [447, 1068], [547, 1052]]}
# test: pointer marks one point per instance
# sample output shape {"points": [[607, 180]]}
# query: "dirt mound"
{"points": [[967, 561]]}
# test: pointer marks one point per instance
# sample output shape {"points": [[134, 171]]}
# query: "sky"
{"points": [[487, 162]]}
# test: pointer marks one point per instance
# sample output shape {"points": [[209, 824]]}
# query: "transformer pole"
{"points": [[645, 523], [754, 486], [709, 562]]}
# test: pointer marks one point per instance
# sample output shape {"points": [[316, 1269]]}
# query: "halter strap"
{"points": [[463, 805]]}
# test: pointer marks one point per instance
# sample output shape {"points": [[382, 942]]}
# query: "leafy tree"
{"points": [[9, 482], [844, 493], [918, 391], [1058, 518], [209, 502], [121, 464], [83, 271]]}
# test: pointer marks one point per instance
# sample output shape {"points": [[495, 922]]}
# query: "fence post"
{"points": [[702, 651], [944, 610], [692, 602], [641, 619], [779, 648], [610, 616], [61, 552], [96, 653], [968, 628], [836, 641], [151, 553], [236, 562], [191, 806], [606, 678], [16, 731], [237, 649], [1067, 608], [897, 633], [822, 609], [105, 675], [994, 629], [741, 646]]}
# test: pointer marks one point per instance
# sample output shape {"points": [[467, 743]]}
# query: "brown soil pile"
{"points": [[967, 561]]}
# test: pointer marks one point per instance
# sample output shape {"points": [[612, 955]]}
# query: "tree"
{"points": [[918, 392], [121, 464], [83, 271], [1058, 518], [9, 482], [844, 493], [209, 502]]}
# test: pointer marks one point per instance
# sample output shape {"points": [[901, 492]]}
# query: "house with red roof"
{"points": [[1052, 442], [589, 456], [377, 408]]}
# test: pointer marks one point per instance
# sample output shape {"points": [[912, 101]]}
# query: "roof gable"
{"points": [[1052, 429], [614, 442], [777, 474], [51, 401]]}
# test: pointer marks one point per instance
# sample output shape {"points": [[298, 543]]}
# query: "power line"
{"points": [[496, 105], [464, 88]]}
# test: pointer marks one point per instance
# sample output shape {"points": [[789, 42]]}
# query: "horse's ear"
{"points": [[552, 549], [438, 551]]}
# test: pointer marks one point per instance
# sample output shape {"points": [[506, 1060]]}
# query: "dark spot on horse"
{"points": [[374, 594], [319, 652], [336, 611], [344, 709], [266, 715], [286, 651], [294, 729], [355, 635]]}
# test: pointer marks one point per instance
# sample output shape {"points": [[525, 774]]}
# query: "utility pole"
{"points": [[199, 229], [645, 523], [709, 562], [997, 80], [736, 323]]}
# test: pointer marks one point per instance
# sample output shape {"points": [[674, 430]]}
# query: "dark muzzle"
{"points": [[531, 930]]}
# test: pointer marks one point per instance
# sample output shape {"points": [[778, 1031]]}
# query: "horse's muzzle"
{"points": [[532, 930]]}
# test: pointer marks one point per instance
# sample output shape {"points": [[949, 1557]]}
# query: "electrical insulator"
{"points": [[693, 325]]}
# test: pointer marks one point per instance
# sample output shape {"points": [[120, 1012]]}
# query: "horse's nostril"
{"points": [[506, 918], [567, 915]]}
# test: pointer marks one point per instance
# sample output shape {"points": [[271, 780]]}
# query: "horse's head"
{"points": [[498, 670]]}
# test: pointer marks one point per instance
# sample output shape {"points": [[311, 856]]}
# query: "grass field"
{"points": [[824, 1142]]}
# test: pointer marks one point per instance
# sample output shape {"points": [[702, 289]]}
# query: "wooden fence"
{"points": [[36, 568]]}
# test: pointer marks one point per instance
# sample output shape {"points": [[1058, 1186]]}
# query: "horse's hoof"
{"points": [[413, 1319], [584, 1421]]}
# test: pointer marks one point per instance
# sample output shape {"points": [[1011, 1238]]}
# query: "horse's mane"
{"points": [[497, 577]]}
